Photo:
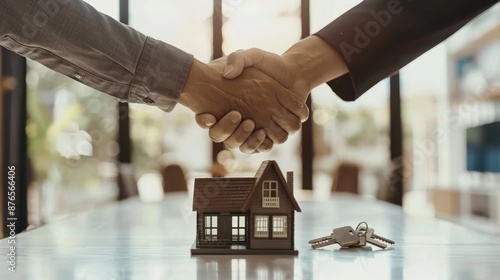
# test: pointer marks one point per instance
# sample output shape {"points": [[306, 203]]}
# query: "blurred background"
{"points": [[448, 166]]}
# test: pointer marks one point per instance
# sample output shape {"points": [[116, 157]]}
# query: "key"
{"points": [[377, 240], [344, 236]]}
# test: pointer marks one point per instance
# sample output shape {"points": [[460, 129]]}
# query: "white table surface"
{"points": [[137, 240]]}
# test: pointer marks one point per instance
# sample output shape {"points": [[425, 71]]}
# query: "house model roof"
{"points": [[234, 194]]}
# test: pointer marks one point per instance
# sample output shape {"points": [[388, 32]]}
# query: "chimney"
{"points": [[289, 179]]}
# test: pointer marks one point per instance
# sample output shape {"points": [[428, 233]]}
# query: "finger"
{"points": [[205, 120], [225, 127], [240, 135], [304, 114], [287, 121], [253, 142], [266, 146], [276, 133], [295, 106]]}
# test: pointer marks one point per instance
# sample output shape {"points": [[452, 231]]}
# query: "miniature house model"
{"points": [[254, 215]]}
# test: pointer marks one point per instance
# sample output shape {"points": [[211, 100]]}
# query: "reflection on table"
{"points": [[136, 240]]}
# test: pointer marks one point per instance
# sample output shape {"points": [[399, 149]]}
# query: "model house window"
{"points": [[211, 228], [279, 226], [238, 228], [261, 226], [270, 197]]}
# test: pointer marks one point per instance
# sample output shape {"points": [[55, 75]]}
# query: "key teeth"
{"points": [[385, 240], [322, 244], [377, 240], [320, 239]]}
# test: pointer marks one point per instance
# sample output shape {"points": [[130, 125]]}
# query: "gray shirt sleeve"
{"points": [[71, 37]]}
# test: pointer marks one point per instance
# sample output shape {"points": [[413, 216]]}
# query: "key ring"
{"points": [[357, 228]]}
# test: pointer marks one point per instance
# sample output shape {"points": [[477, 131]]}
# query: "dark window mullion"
{"points": [[217, 53], [15, 151], [307, 127], [126, 180]]}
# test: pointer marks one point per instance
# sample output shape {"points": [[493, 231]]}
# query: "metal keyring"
{"points": [[363, 222]]}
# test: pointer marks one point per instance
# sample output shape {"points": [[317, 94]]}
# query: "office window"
{"points": [[71, 130], [273, 26], [261, 226], [161, 138]]}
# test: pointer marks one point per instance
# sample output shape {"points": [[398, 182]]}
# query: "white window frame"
{"points": [[270, 197], [280, 226], [238, 228], [261, 225], [210, 227]]}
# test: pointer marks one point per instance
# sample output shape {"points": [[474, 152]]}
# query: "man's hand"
{"points": [[272, 107], [284, 71], [304, 66], [232, 133]]}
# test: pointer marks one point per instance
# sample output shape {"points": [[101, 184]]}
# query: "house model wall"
{"points": [[254, 215]]}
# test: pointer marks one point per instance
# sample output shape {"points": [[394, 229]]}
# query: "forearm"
{"points": [[71, 37], [315, 61], [198, 82]]}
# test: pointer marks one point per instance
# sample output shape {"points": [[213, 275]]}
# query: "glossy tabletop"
{"points": [[137, 240]]}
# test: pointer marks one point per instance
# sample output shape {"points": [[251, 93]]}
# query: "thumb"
{"points": [[237, 62], [267, 62]]}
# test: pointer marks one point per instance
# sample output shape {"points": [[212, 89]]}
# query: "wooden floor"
{"points": [[135, 240]]}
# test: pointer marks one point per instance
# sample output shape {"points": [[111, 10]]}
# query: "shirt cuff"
{"points": [[160, 75]]}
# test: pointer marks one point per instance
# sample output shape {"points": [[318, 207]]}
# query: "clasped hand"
{"points": [[247, 109]]}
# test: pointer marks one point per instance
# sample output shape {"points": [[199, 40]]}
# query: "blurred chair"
{"points": [[346, 178], [173, 178], [447, 202]]}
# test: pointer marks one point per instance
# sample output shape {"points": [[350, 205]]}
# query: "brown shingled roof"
{"points": [[221, 194]]}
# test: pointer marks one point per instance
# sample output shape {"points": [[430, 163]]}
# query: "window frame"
{"points": [[240, 228], [280, 222], [261, 222], [210, 231], [272, 186], [270, 195]]}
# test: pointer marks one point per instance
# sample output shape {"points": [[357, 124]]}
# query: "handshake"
{"points": [[253, 99]]}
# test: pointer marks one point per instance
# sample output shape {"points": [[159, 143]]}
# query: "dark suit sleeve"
{"points": [[378, 37]]}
